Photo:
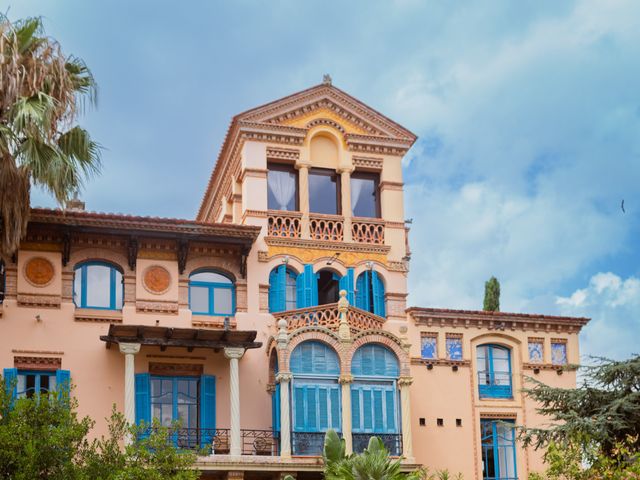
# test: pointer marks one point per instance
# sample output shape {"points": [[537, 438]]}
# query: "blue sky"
{"points": [[528, 115]]}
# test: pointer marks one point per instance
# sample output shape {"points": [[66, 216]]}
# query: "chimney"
{"points": [[75, 204]]}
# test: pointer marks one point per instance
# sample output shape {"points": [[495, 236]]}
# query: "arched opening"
{"points": [[328, 287], [98, 285], [315, 396], [211, 293], [494, 371], [374, 397], [282, 289]]}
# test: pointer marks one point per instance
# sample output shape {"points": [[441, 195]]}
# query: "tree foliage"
{"points": [[596, 424], [492, 295], [42, 93], [44, 438]]}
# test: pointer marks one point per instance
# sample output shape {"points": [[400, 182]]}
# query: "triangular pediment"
{"points": [[326, 103]]}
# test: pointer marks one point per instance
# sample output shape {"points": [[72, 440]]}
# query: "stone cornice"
{"points": [[327, 245], [440, 362], [498, 321]]}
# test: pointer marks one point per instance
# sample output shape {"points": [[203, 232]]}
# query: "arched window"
{"points": [[282, 289], [211, 293], [315, 396], [98, 285], [494, 371], [374, 397], [370, 293]]}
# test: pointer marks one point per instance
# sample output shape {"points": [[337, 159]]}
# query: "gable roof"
{"points": [[276, 122]]}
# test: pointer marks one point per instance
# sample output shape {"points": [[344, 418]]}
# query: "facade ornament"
{"points": [[345, 379], [405, 381], [282, 338], [283, 377], [404, 338], [344, 332], [326, 79]]}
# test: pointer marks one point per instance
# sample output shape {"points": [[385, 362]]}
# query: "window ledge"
{"points": [[212, 321], [97, 315], [440, 362]]}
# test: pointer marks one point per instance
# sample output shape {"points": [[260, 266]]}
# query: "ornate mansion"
{"points": [[278, 313]]}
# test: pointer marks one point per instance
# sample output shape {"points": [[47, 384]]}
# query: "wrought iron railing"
{"points": [[218, 441], [495, 384], [391, 441], [307, 443]]}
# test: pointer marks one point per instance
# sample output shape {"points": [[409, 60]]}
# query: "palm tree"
{"points": [[42, 93]]}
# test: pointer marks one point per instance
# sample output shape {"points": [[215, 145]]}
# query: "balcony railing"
{"points": [[328, 316], [367, 230], [218, 441], [326, 227], [391, 441], [284, 224], [495, 385]]}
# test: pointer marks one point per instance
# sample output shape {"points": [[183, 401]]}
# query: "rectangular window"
{"points": [[498, 450], [365, 194], [282, 186], [454, 347], [429, 346], [536, 350], [33, 383], [176, 399], [324, 191], [558, 351]]}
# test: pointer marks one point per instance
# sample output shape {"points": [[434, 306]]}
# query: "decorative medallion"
{"points": [[156, 279], [39, 271]]}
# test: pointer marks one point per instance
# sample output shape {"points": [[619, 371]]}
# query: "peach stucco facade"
{"points": [[433, 392]]}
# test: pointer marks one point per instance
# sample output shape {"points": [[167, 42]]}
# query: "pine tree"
{"points": [[492, 295]]}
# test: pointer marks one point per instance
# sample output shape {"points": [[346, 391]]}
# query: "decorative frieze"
{"points": [[367, 163], [176, 369], [37, 363], [157, 306], [97, 316], [289, 155], [39, 300]]}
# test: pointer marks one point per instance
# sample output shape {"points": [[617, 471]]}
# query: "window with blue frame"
{"points": [[429, 346], [454, 347], [29, 383], [98, 285], [558, 352], [315, 396], [211, 293], [374, 397], [188, 400], [498, 450], [494, 371], [282, 289], [370, 293]]}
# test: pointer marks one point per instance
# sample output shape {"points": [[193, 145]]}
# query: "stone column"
{"points": [[234, 355], [345, 191], [284, 378], [129, 350], [405, 400], [303, 187], [345, 382]]}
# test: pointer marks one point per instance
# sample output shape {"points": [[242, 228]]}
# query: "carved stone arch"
{"points": [[317, 334], [294, 264], [384, 338], [337, 266], [496, 338], [328, 122], [380, 268]]}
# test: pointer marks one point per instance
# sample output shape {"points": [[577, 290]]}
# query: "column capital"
{"points": [[283, 377], [234, 352], [129, 348], [299, 166], [345, 169], [345, 379], [405, 381]]}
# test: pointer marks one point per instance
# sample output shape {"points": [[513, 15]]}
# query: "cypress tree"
{"points": [[492, 295]]}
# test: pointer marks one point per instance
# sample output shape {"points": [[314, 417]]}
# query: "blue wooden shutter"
{"points": [[273, 297], [63, 384], [390, 404], [378, 412], [367, 418], [362, 291], [336, 417], [378, 294], [300, 300], [143, 400], [323, 409], [11, 382], [346, 283], [355, 409], [275, 409], [312, 409], [310, 286], [298, 408], [207, 409], [277, 289]]}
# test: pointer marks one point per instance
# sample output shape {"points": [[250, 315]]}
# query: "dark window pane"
{"points": [[323, 192], [282, 187], [364, 195]]}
